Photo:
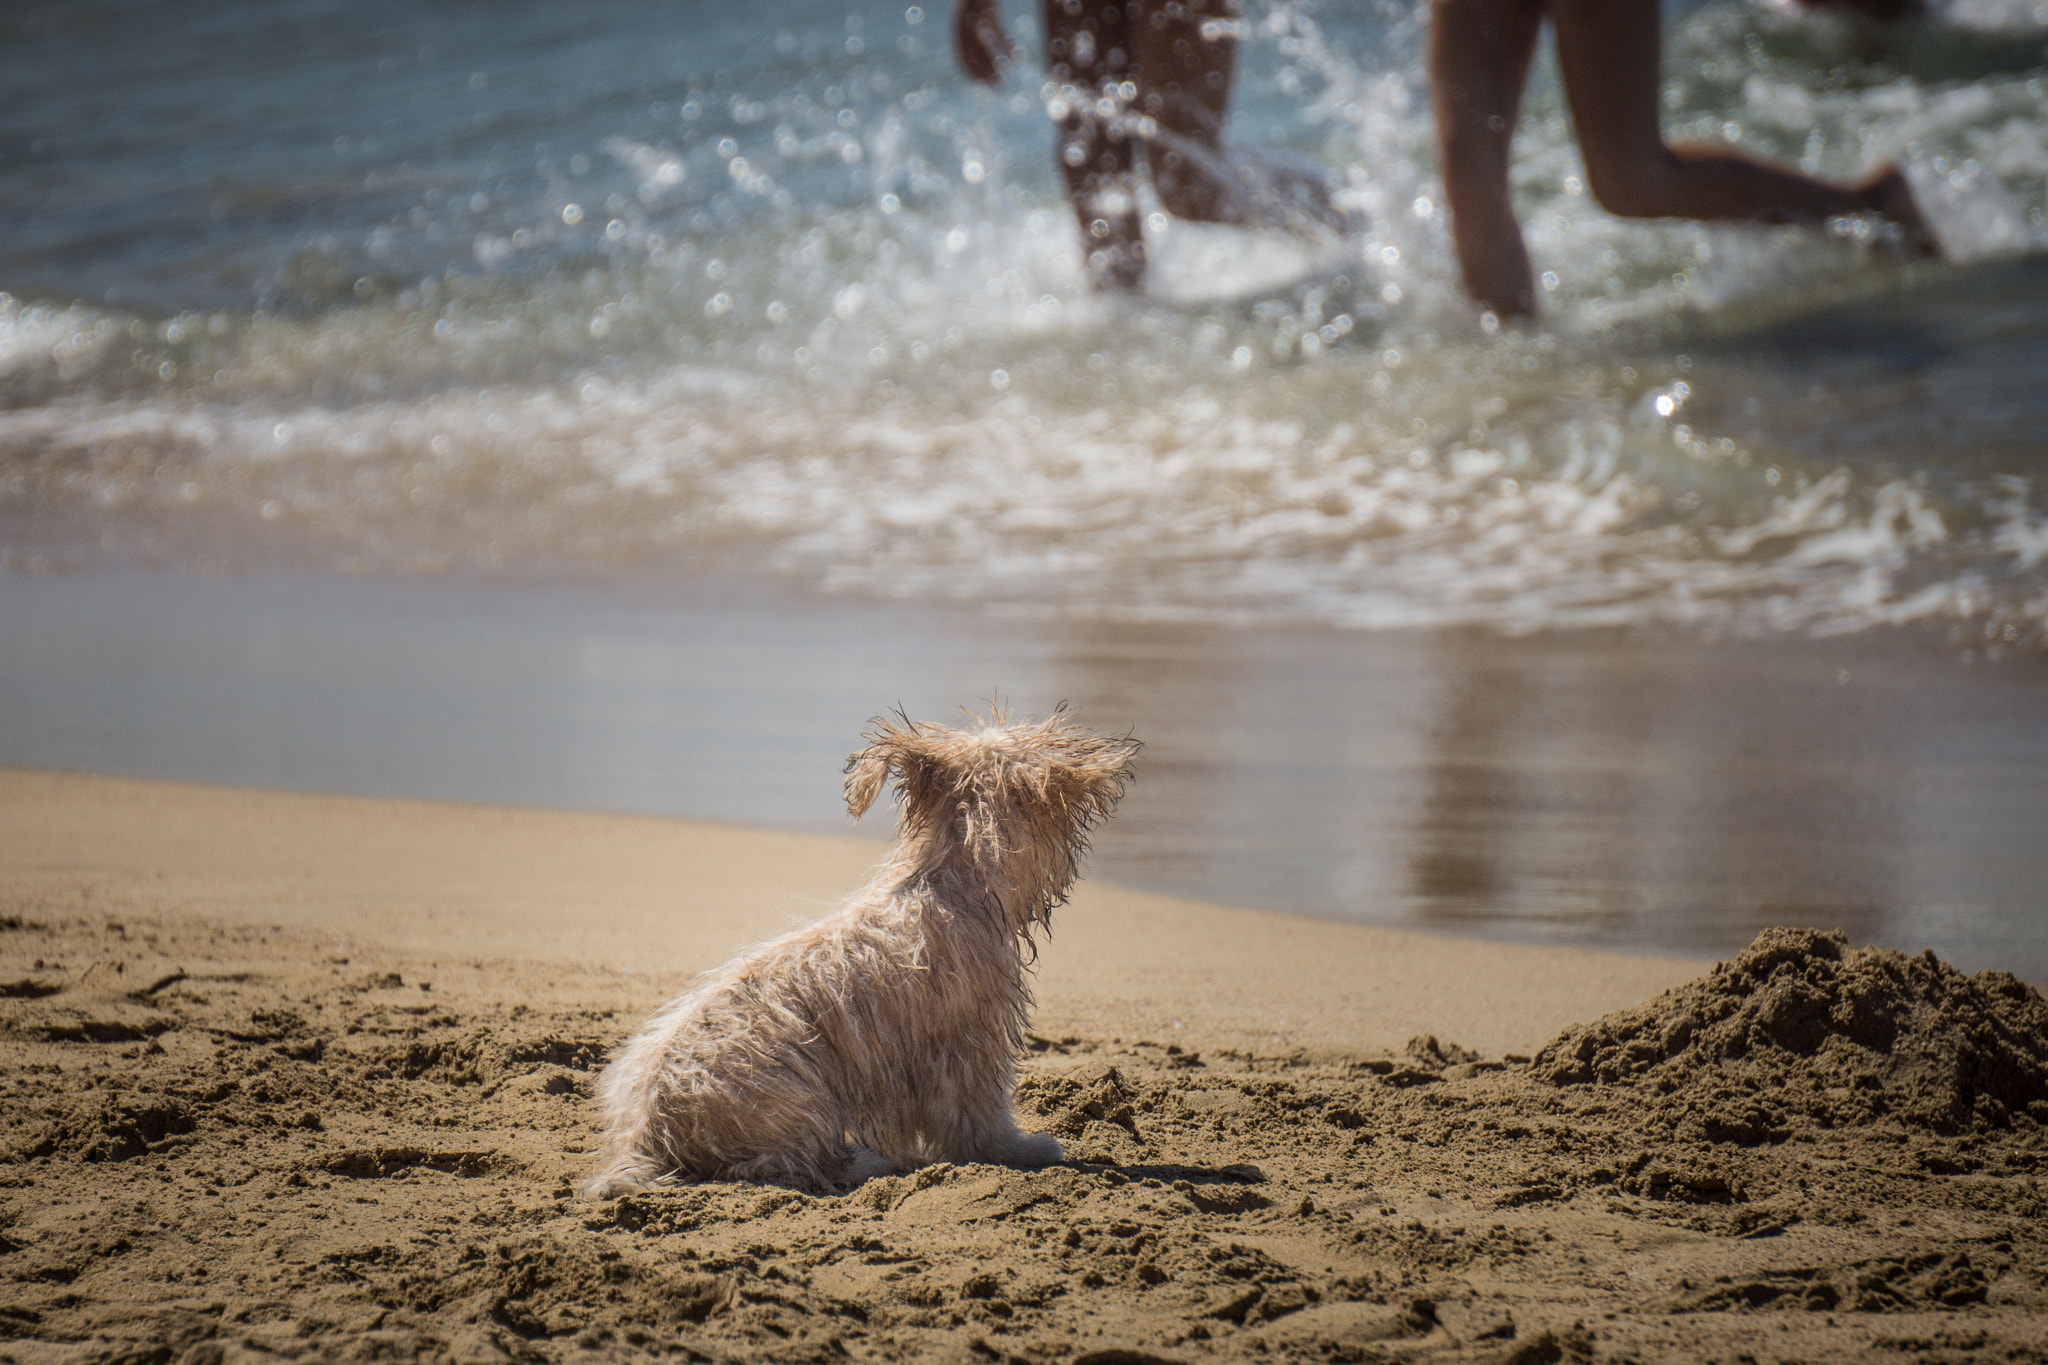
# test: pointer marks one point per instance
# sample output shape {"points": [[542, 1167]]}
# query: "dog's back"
{"points": [[893, 1023]]}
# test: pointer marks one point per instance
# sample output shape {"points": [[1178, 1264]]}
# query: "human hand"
{"points": [[978, 40]]}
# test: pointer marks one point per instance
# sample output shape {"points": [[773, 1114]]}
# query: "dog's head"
{"points": [[1018, 800]]}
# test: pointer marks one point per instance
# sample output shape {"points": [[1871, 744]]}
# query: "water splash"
{"points": [[821, 314]]}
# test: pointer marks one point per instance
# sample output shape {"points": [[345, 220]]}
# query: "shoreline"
{"points": [[460, 887]]}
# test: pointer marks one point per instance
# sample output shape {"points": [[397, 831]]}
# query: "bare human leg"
{"points": [[1479, 55], [1088, 51], [1154, 73], [1186, 50], [1610, 55]]}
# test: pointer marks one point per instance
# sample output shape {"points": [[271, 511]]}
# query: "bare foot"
{"points": [[1891, 194]]}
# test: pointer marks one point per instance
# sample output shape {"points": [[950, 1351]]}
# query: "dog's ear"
{"points": [[866, 771], [1106, 768], [890, 750]]}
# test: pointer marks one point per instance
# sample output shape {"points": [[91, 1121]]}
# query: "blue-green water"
{"points": [[635, 289]]}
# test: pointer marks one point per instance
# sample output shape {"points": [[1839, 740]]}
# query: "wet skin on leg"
{"points": [[1479, 55], [1088, 47], [1609, 53], [1150, 78], [1177, 55], [1186, 52]]}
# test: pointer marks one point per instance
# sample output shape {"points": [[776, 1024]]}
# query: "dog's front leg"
{"points": [[988, 1131]]}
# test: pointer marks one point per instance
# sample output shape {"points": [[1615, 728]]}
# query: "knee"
{"points": [[1626, 200], [1641, 190]]}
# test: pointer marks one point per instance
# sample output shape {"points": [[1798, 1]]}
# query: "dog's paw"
{"points": [[1035, 1149], [599, 1188], [864, 1164], [622, 1175]]}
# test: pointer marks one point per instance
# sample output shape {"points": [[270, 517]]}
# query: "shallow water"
{"points": [[1596, 787], [619, 292]]}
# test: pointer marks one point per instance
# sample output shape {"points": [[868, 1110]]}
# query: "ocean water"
{"points": [[633, 290], [612, 404]]}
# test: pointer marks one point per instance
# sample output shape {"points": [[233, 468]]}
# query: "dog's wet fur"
{"points": [[885, 1035]]}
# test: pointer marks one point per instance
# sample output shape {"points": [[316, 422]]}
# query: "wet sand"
{"points": [[305, 1077]]}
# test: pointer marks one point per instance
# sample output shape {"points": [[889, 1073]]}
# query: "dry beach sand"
{"points": [[302, 1078]]}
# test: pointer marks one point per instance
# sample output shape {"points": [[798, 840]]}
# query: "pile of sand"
{"points": [[1800, 1032]]}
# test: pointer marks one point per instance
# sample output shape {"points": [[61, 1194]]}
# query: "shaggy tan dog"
{"points": [[885, 1035]]}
